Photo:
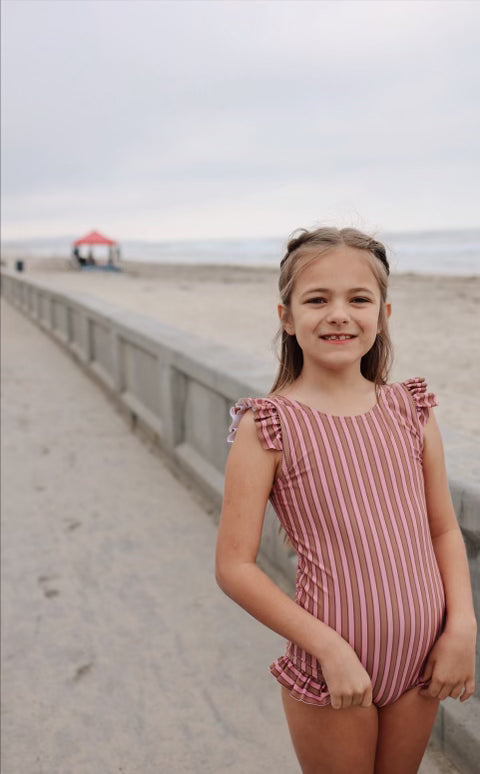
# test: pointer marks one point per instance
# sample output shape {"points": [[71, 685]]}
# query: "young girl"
{"points": [[382, 627]]}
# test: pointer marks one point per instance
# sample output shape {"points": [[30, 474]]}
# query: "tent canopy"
{"points": [[94, 238]]}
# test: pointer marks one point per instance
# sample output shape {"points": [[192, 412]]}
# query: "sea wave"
{"points": [[450, 252]]}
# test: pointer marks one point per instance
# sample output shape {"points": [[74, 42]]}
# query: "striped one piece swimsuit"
{"points": [[350, 495]]}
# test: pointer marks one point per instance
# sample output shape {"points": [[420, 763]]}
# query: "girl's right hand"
{"points": [[348, 682]]}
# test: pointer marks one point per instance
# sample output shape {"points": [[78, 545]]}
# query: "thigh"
{"points": [[404, 729], [330, 741]]}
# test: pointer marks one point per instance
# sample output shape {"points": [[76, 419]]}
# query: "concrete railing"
{"points": [[179, 389]]}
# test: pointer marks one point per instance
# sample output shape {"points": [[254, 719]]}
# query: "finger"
{"points": [[433, 689], [468, 692], [427, 671], [367, 699], [456, 690], [335, 702], [444, 691]]}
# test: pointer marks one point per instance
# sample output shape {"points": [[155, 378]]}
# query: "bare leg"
{"points": [[404, 729], [329, 741]]}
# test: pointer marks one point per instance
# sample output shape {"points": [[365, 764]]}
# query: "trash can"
{"points": [[19, 265]]}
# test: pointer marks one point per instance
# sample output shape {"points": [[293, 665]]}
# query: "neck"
{"points": [[336, 382]]}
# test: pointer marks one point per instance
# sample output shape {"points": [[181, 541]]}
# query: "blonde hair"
{"points": [[376, 363]]}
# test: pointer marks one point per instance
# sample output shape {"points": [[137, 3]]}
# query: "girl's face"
{"points": [[334, 308]]}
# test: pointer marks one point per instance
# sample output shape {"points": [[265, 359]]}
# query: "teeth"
{"points": [[335, 338]]}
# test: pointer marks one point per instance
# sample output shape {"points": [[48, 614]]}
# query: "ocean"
{"points": [[449, 252]]}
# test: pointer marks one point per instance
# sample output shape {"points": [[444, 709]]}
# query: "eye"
{"points": [[316, 300], [360, 300]]}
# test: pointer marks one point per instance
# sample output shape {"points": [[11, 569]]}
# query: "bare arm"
{"points": [[451, 664], [446, 535], [249, 477]]}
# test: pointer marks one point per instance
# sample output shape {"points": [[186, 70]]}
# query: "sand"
{"points": [[434, 325]]}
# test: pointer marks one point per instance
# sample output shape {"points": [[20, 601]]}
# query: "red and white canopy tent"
{"points": [[95, 238]]}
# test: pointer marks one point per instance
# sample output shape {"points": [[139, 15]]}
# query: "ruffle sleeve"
{"points": [[423, 399], [266, 418]]}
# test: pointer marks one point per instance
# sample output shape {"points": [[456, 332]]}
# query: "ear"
{"points": [[284, 317], [388, 312]]}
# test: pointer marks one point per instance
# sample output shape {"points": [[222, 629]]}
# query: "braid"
{"points": [[295, 242], [378, 251], [325, 237]]}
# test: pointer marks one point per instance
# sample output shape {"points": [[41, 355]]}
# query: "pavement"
{"points": [[119, 652]]}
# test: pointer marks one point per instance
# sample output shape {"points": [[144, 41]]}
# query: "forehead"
{"points": [[337, 268]]}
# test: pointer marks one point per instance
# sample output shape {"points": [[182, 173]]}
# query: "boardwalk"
{"points": [[119, 652]]}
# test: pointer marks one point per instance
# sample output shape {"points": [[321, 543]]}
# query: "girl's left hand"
{"points": [[450, 667]]}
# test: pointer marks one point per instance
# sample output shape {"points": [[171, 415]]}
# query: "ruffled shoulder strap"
{"points": [[423, 399], [266, 418]]}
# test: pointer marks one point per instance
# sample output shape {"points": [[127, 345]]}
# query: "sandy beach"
{"points": [[434, 324]]}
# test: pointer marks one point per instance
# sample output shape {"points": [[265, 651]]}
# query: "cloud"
{"points": [[137, 108]]}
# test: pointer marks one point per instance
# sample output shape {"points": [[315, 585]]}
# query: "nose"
{"points": [[337, 313]]}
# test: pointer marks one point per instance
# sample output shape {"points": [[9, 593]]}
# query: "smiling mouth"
{"points": [[339, 337]]}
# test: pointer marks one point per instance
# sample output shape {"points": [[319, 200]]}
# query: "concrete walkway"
{"points": [[119, 652]]}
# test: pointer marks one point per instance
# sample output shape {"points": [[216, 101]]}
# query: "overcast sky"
{"points": [[158, 120]]}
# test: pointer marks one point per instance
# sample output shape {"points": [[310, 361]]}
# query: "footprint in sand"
{"points": [[44, 581], [82, 671]]}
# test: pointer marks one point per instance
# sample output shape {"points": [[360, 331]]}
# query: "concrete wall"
{"points": [[179, 389]]}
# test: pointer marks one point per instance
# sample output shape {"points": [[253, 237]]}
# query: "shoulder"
{"points": [[260, 415], [418, 389], [421, 401], [243, 406], [256, 451]]}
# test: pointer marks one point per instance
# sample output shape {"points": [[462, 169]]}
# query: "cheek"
{"points": [[374, 315], [378, 321]]}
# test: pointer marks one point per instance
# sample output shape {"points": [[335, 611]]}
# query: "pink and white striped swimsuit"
{"points": [[350, 496]]}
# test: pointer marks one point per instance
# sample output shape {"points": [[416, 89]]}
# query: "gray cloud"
{"points": [[233, 116]]}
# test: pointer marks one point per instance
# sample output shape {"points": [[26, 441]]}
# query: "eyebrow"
{"points": [[350, 290]]}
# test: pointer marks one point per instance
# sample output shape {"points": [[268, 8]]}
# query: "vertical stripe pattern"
{"points": [[350, 496]]}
